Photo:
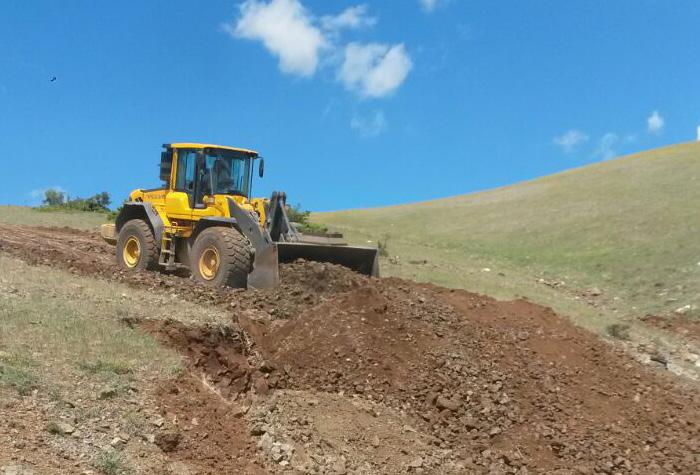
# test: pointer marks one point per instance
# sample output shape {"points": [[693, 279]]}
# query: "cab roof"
{"points": [[208, 145]]}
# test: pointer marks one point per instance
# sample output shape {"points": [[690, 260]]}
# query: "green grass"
{"points": [[56, 328], [16, 372], [36, 217], [630, 227]]}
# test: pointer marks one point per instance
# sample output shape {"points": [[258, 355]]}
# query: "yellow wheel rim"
{"points": [[132, 252], [209, 263]]}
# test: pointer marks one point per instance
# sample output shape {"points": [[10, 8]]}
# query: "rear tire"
{"points": [[221, 257], [136, 246]]}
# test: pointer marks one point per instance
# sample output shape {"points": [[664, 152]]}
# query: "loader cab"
{"points": [[205, 170]]}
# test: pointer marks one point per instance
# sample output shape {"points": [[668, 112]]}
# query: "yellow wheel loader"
{"points": [[203, 219]]}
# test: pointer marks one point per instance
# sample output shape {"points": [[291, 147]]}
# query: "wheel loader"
{"points": [[204, 219]]}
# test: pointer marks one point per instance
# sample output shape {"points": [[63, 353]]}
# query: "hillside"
{"points": [[627, 227]]}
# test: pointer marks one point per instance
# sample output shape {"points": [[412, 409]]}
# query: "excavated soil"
{"points": [[333, 372]]}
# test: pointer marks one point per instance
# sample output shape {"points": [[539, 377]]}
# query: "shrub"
{"points": [[621, 331], [55, 200], [112, 463], [301, 217]]}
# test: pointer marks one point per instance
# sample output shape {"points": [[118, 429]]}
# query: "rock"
{"points": [[16, 470], [167, 441], [158, 421], [258, 429], [685, 309], [179, 468], [375, 442], [471, 423], [261, 387], [443, 403], [62, 428], [339, 467], [117, 442], [265, 443], [595, 292], [416, 463]]}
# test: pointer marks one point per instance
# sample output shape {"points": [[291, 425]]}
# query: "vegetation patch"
{"points": [[101, 366], [111, 462], [301, 218], [619, 331], [16, 373]]}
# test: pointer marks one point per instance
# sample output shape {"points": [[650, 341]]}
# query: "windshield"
{"points": [[226, 172]]}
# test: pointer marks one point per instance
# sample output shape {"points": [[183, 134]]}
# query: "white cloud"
{"points": [[655, 123], [302, 42], [607, 146], [569, 140], [369, 126], [429, 5], [698, 133], [286, 29], [351, 18], [374, 70]]}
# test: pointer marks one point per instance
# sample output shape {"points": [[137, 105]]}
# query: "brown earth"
{"points": [[333, 372]]}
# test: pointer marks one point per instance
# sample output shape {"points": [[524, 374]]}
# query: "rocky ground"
{"points": [[334, 372]]}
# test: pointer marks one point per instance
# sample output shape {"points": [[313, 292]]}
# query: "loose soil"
{"points": [[334, 372]]}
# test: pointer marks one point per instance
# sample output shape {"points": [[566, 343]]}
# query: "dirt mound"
{"points": [[468, 384]]}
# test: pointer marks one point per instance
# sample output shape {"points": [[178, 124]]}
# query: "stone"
{"points": [[64, 428], [117, 442], [158, 421], [444, 403], [265, 443], [375, 442], [179, 468], [16, 470], [416, 463]]}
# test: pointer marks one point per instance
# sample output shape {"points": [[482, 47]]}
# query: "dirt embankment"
{"points": [[338, 373]]}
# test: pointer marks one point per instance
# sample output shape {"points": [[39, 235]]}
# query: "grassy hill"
{"points": [[36, 217], [629, 227]]}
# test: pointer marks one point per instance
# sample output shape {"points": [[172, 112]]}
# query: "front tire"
{"points": [[221, 257], [136, 246]]}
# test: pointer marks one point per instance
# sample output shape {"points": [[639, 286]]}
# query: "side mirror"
{"points": [[166, 164], [261, 167]]}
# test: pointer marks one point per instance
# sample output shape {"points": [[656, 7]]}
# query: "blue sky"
{"points": [[352, 104]]}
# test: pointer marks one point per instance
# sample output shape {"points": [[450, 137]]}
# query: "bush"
{"points": [[620, 331], [301, 219], [55, 200]]}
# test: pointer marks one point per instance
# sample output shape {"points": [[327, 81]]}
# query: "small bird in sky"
{"points": [[53, 79]]}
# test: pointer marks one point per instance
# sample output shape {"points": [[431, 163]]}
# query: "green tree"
{"points": [[54, 197]]}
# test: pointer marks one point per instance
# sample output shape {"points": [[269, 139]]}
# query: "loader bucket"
{"points": [[265, 273], [363, 260]]}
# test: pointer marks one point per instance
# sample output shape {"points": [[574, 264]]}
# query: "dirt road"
{"points": [[339, 373]]}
